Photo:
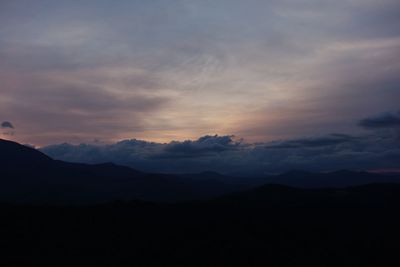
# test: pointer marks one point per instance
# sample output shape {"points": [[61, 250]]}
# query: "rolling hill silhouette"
{"points": [[30, 176], [382, 195], [337, 179]]}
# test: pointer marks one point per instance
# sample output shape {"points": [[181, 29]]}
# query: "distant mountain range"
{"points": [[28, 175]]}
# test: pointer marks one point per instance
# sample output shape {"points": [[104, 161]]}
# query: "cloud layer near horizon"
{"points": [[74, 71], [376, 150]]}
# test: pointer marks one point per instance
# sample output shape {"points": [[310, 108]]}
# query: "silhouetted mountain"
{"points": [[237, 181], [301, 179], [30, 176], [272, 195], [338, 179], [15, 157]]}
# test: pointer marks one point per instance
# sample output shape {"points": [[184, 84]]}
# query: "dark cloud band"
{"points": [[387, 120], [223, 154]]}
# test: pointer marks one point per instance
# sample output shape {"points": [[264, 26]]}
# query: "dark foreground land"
{"points": [[56, 213], [270, 226]]}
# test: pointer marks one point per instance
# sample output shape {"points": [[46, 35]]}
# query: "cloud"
{"points": [[66, 110], [202, 146], [7, 124], [329, 140], [152, 68], [223, 154], [386, 120]]}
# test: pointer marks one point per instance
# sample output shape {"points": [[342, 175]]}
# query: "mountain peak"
{"points": [[14, 153]]}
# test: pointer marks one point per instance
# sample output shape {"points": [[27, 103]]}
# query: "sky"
{"points": [[97, 72]]}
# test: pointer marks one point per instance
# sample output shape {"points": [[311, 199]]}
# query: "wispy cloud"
{"points": [[165, 70]]}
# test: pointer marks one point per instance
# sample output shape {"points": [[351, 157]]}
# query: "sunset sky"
{"points": [[98, 72]]}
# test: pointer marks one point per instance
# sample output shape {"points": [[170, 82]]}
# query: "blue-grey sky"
{"points": [[78, 71]]}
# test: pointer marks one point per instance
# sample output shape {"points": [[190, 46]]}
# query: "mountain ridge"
{"points": [[28, 175]]}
